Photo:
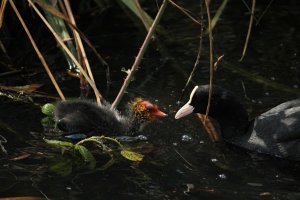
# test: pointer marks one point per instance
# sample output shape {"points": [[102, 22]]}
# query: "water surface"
{"points": [[182, 163]]}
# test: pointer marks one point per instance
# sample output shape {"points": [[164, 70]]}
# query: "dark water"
{"points": [[182, 163]]}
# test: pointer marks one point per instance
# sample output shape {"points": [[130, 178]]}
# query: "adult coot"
{"points": [[275, 132]]}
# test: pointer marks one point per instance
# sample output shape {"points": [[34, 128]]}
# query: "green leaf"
{"points": [[86, 155], [59, 143], [48, 109], [218, 14], [45, 120], [130, 155], [48, 122], [138, 11]]}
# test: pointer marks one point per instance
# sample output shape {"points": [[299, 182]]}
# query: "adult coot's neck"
{"points": [[224, 107]]}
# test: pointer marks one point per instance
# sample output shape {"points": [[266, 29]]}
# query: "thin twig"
{"points": [[186, 12], [185, 160], [217, 62], [247, 6], [80, 45], [140, 54], [34, 185], [59, 40], [61, 15], [265, 11], [10, 73], [198, 55], [210, 57], [2, 141], [249, 30], [2, 9], [37, 50], [244, 89]]}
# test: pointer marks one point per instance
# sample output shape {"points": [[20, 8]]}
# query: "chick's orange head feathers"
{"points": [[147, 109]]}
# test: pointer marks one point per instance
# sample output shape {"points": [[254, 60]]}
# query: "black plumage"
{"points": [[275, 132], [86, 117]]}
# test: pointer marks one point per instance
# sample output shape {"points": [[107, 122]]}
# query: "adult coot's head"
{"points": [[224, 107]]}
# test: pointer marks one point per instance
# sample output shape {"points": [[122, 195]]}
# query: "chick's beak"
{"points": [[184, 111], [158, 114]]}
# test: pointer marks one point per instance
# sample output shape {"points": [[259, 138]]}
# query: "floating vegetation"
{"points": [[48, 109], [87, 155], [79, 148]]}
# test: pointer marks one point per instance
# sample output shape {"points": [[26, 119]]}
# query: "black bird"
{"points": [[275, 132], [86, 117]]}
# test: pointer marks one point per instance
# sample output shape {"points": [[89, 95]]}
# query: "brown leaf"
{"points": [[265, 194], [21, 157]]}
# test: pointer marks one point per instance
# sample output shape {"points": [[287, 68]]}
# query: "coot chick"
{"points": [[275, 132], [86, 117]]}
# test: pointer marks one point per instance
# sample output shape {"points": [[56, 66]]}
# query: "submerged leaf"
{"points": [[24, 88], [48, 109], [28, 88], [63, 166], [87, 155], [130, 155]]}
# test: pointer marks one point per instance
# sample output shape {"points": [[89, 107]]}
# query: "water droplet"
{"points": [[68, 188], [142, 138], [222, 176], [186, 138], [175, 144], [190, 187], [214, 160], [272, 78], [267, 93]]}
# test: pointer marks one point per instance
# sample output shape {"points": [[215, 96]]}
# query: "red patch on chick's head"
{"points": [[146, 109]]}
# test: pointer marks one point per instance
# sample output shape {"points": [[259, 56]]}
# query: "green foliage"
{"points": [[220, 10], [138, 11], [63, 166], [130, 155], [48, 109], [86, 154], [59, 143]]}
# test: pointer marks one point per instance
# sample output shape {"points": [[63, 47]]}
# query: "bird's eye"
{"points": [[149, 107]]}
